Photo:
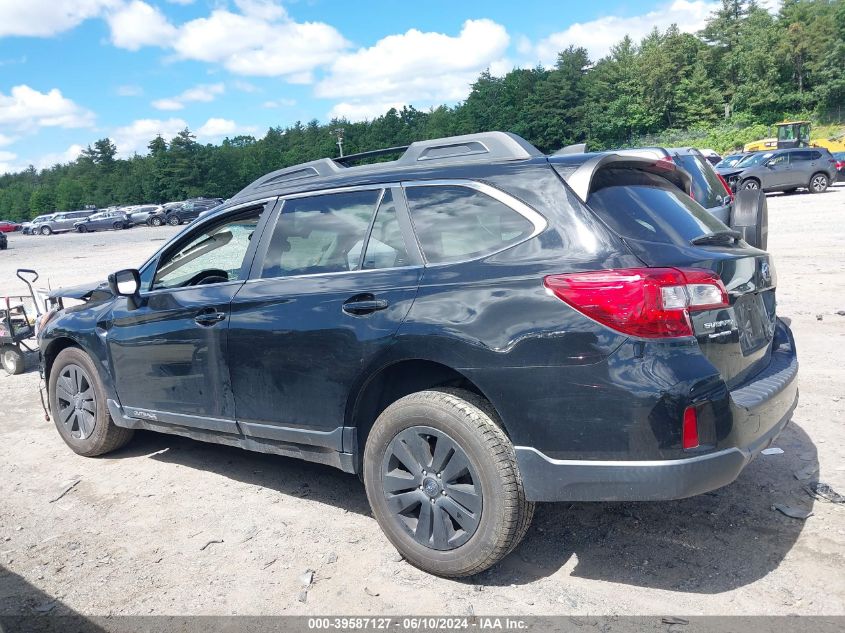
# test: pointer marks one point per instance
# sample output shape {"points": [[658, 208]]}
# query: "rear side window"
{"points": [[455, 223], [806, 155], [707, 189], [644, 206]]}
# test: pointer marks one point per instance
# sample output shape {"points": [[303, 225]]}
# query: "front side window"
{"points": [[215, 255], [455, 223], [320, 234], [778, 160]]}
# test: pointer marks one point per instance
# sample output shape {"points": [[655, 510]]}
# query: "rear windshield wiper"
{"points": [[717, 237]]}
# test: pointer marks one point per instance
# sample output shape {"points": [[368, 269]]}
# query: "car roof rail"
{"points": [[483, 147]]}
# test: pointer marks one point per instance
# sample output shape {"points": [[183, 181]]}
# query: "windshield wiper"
{"points": [[716, 237]]}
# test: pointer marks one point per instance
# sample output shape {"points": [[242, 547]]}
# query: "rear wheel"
{"points": [[442, 480], [174, 220], [12, 359], [45, 230], [82, 228], [78, 406], [156, 221], [818, 183], [117, 226]]}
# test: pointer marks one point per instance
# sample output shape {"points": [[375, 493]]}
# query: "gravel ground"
{"points": [[172, 526]]}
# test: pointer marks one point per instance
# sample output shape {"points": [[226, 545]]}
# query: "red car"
{"points": [[7, 226]]}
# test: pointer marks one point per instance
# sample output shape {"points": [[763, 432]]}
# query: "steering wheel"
{"points": [[209, 276]]}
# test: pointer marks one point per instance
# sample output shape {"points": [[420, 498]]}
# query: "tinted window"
{"points": [[320, 234], [707, 189], [386, 246], [454, 223], [754, 159], [215, 255], [780, 159], [644, 206]]}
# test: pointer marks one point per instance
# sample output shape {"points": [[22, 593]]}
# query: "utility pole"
{"points": [[338, 132]]}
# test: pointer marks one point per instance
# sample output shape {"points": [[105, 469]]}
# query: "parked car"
{"points": [[29, 228], [811, 168], [114, 219], [142, 214], [472, 328], [60, 222], [190, 210], [839, 157], [729, 161], [7, 226], [4, 242], [711, 155]]}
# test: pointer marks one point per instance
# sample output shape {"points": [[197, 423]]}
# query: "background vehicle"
{"points": [[28, 228], [60, 222], [465, 292], [796, 134], [114, 219], [711, 155], [4, 242], [142, 214], [784, 170], [729, 161], [190, 210], [7, 226]]}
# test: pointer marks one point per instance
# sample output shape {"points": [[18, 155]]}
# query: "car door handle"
{"points": [[364, 304], [209, 317]]}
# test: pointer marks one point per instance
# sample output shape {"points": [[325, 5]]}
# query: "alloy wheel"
{"points": [[77, 401], [819, 183], [750, 184], [432, 489]]}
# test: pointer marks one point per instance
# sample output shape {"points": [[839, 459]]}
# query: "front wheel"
{"points": [[156, 221], [117, 226], [12, 359], [443, 482], [818, 183], [82, 228], [45, 230], [750, 184], [78, 406], [174, 220]]}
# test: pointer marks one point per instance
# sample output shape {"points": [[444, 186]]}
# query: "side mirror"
{"points": [[127, 283]]}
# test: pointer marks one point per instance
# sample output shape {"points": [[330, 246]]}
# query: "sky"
{"points": [[74, 71]]}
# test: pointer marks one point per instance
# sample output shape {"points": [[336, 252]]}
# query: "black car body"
{"points": [[4, 242], [589, 324]]}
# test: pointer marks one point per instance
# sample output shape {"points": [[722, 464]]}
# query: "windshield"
{"points": [[730, 161], [754, 159]]}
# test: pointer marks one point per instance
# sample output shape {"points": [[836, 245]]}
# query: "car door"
{"points": [[776, 173], [317, 313], [169, 354]]}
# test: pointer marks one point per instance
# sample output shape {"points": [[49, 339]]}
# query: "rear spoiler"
{"points": [[581, 178]]}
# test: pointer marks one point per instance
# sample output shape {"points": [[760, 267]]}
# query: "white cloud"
{"points": [[139, 24], [216, 129], [6, 140], [279, 103], [202, 92], [419, 67], [597, 36], [134, 138], [129, 90], [245, 86], [42, 162], [26, 109], [43, 18], [182, 2]]}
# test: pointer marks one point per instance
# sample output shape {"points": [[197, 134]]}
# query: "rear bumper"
{"points": [[760, 411]]}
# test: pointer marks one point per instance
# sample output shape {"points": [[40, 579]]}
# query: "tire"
{"points": [[819, 183], [45, 230], [82, 228], [751, 184], [12, 359], [174, 220], [87, 428], [750, 216], [117, 226], [156, 221], [403, 493]]}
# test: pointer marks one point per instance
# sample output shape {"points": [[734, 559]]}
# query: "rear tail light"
{"points": [[689, 431], [644, 302], [726, 186]]}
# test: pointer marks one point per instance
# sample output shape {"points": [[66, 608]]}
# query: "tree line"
{"points": [[727, 84]]}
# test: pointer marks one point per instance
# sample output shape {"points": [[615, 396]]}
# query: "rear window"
{"points": [[644, 206], [707, 189]]}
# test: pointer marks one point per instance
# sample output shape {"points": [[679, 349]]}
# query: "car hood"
{"points": [[82, 291]]}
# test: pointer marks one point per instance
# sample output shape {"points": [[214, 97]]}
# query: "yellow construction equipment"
{"points": [[796, 134]]}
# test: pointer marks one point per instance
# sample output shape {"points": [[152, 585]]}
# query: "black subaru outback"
{"points": [[471, 328]]}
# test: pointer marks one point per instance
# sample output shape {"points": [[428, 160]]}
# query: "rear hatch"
{"points": [[666, 228]]}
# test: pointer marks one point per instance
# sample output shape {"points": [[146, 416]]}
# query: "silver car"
{"points": [[61, 222], [811, 168]]}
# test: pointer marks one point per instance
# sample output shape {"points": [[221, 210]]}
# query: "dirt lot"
{"points": [[169, 525]]}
